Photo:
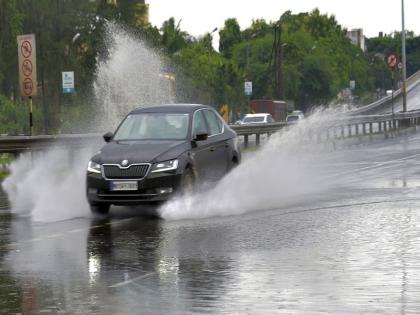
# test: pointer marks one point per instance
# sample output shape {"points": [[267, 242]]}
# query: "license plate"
{"points": [[118, 186]]}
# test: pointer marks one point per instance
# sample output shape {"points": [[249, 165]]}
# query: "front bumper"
{"points": [[149, 189]]}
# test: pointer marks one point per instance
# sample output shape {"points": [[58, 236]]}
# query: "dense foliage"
{"points": [[305, 57]]}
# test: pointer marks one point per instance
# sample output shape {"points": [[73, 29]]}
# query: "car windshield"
{"points": [[254, 119], [292, 118], [153, 126]]}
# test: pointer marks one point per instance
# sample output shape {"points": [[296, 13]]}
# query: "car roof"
{"points": [[257, 115], [172, 108]]}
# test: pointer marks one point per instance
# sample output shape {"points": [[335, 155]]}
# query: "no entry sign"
{"points": [[27, 64], [392, 60]]}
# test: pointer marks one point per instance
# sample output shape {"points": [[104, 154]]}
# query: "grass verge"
{"points": [[3, 175]]}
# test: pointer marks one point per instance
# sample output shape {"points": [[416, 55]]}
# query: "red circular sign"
{"points": [[28, 87], [26, 49], [27, 68], [392, 60]]}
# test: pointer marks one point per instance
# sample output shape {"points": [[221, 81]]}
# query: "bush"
{"points": [[13, 117]]}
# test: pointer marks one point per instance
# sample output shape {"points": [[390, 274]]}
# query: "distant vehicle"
{"points": [[294, 118], [277, 109], [160, 151], [262, 118], [298, 112]]}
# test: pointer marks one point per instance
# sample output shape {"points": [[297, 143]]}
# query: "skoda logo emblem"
{"points": [[124, 163]]}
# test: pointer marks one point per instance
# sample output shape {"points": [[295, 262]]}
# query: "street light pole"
{"points": [[404, 61]]}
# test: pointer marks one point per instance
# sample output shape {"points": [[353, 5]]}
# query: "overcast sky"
{"points": [[201, 16]]}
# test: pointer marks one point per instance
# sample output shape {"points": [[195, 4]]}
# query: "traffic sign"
{"points": [[27, 68], [27, 64], [224, 112], [392, 60], [248, 88], [68, 81], [28, 86], [26, 49]]}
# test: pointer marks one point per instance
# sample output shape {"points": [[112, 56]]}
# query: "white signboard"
{"points": [[68, 82], [248, 88], [27, 64]]}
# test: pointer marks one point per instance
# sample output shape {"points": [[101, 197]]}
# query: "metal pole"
{"points": [[392, 95], [404, 61], [31, 126]]}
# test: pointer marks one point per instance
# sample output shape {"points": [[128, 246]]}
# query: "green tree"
{"points": [[230, 35], [11, 25], [173, 39]]}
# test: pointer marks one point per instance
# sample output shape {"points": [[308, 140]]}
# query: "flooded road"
{"points": [[353, 251]]}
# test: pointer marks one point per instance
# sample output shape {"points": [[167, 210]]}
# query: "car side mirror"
{"points": [[108, 136], [201, 137]]}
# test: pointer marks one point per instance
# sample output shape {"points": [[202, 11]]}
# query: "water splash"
{"points": [[132, 76], [286, 171], [50, 186]]}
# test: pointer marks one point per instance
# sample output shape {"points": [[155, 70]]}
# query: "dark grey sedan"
{"points": [[158, 152]]}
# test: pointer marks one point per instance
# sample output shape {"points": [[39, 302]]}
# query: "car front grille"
{"points": [[137, 171]]}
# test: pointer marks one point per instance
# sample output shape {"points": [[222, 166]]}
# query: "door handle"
{"points": [[212, 149]]}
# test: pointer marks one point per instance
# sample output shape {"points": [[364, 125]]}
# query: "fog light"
{"points": [[164, 190], [92, 191]]}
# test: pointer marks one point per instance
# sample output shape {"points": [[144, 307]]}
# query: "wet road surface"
{"points": [[354, 251]]}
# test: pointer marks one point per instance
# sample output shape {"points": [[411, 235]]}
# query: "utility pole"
{"points": [[278, 62], [404, 61]]}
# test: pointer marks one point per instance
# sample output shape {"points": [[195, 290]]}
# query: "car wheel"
{"points": [[233, 164], [100, 208], [187, 182]]}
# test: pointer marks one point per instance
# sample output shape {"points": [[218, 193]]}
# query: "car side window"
{"points": [[215, 124], [199, 124]]}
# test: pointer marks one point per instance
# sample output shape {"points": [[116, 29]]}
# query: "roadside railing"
{"points": [[18, 144], [412, 82], [351, 126], [336, 127], [257, 129]]}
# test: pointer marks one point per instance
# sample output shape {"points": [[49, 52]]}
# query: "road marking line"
{"points": [[329, 207], [386, 163], [52, 236], [120, 284]]}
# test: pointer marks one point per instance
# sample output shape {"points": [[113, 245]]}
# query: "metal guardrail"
{"points": [[412, 82], [343, 126], [17, 144], [257, 130]]}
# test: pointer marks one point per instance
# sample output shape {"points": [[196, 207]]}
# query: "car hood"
{"points": [[140, 151]]}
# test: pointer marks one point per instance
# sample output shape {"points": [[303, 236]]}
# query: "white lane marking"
{"points": [[386, 163], [120, 284], [52, 236]]}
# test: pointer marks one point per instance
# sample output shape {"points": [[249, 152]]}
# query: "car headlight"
{"points": [[165, 166], [94, 167]]}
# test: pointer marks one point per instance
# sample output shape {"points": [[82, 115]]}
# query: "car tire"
{"points": [[186, 185], [233, 164], [100, 208]]}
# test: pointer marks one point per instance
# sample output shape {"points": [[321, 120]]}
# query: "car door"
{"points": [[201, 152], [219, 145]]}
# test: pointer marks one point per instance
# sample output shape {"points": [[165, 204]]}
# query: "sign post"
{"points": [[392, 62], [27, 70]]}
